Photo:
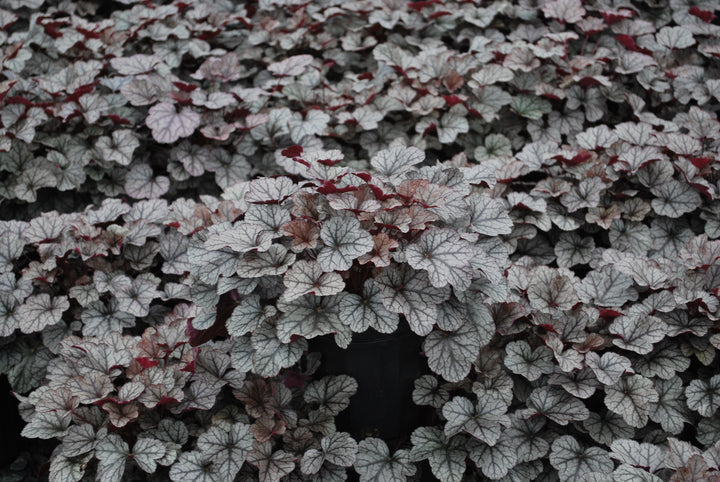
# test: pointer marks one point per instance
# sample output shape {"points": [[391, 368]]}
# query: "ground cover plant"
{"points": [[193, 194]]}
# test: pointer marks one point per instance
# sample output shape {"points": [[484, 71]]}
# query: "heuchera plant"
{"points": [[192, 192]]}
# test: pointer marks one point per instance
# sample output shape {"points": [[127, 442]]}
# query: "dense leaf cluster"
{"points": [[192, 191]]}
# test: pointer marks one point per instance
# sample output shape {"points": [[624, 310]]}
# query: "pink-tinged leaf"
{"points": [[380, 254], [551, 290], [136, 64], [361, 200], [219, 131], [444, 201], [305, 234], [291, 66], [636, 157], [168, 125], [90, 387], [46, 227], [226, 68], [142, 91], [444, 256], [705, 15]]}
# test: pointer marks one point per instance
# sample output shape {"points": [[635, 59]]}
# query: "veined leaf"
{"points": [[309, 316], [40, 311], [444, 256], [631, 397], [496, 460], [345, 241], [704, 396], [451, 354], [362, 312], [521, 359], [227, 449], [168, 125], [307, 277], [483, 421], [272, 465], [573, 462], [409, 292], [446, 456], [374, 462]]}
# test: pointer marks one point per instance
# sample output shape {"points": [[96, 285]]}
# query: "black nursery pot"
{"points": [[385, 367], [11, 425]]}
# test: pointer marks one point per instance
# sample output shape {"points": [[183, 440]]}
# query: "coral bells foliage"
{"points": [[191, 191]]}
